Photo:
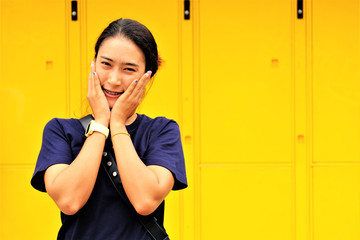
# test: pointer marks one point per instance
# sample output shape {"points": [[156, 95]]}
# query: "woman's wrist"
{"points": [[117, 127], [119, 124], [102, 121]]}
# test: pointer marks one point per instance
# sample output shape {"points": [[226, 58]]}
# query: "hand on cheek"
{"points": [[96, 98], [127, 104]]}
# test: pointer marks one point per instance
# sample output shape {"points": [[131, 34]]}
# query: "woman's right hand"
{"points": [[97, 99]]}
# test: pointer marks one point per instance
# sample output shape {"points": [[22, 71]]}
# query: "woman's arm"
{"points": [[70, 186], [145, 186]]}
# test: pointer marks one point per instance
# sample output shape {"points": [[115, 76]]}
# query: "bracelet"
{"points": [[125, 133]]}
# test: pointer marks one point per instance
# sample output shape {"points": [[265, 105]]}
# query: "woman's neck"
{"points": [[131, 119]]}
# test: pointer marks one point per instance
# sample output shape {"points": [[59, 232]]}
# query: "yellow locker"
{"points": [[25, 213], [246, 202], [33, 90], [334, 83], [246, 86], [33, 79], [246, 119], [336, 199], [162, 18]]}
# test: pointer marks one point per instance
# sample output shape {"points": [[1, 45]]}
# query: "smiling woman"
{"points": [[119, 62], [148, 152]]}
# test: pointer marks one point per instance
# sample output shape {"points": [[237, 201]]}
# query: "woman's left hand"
{"points": [[126, 105]]}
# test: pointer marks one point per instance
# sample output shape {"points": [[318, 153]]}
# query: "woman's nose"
{"points": [[115, 78]]}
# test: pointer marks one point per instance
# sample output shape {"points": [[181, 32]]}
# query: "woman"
{"points": [[148, 152]]}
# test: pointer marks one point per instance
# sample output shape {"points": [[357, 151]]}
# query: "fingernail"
{"points": [[136, 80], [150, 72], [92, 63], [94, 73]]}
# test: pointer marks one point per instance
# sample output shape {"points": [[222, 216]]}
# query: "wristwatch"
{"points": [[94, 126]]}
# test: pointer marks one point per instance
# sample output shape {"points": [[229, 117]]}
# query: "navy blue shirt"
{"points": [[105, 216]]}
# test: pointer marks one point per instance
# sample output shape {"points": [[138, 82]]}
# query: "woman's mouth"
{"points": [[111, 93]]}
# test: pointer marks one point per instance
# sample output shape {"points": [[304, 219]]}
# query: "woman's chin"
{"points": [[111, 103]]}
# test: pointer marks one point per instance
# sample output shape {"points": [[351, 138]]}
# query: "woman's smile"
{"points": [[111, 94]]}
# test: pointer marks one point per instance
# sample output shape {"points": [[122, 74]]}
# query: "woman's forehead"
{"points": [[121, 49]]}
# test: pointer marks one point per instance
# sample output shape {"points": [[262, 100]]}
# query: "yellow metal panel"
{"points": [[247, 202], [196, 99], [187, 113], [336, 202], [173, 219], [33, 83], [161, 17], [25, 213], [75, 65], [33, 89], [336, 85], [246, 88], [302, 134]]}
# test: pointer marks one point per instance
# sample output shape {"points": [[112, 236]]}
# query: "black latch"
{"points": [[300, 9], [74, 10], [187, 9]]}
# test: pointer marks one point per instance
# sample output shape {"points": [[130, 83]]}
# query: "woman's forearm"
{"points": [[70, 186], [145, 186]]}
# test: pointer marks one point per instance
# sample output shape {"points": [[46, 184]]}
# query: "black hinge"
{"points": [[186, 9], [74, 10], [300, 9]]}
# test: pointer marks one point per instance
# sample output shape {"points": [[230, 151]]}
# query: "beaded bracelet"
{"points": [[125, 133]]}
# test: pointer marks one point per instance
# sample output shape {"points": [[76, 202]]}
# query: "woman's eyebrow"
{"points": [[130, 64], [109, 59], [123, 63]]}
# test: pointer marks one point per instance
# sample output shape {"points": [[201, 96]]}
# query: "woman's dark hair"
{"points": [[137, 33]]}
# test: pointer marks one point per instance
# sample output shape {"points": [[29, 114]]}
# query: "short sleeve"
{"points": [[165, 149], [55, 149]]}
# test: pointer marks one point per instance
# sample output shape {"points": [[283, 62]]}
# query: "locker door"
{"points": [[335, 86], [33, 89], [246, 119], [162, 18], [163, 99]]}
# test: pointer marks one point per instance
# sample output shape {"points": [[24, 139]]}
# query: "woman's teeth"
{"points": [[113, 93]]}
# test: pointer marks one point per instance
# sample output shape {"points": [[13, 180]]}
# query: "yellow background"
{"points": [[268, 105]]}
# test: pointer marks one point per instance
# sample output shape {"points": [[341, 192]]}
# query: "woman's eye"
{"points": [[105, 63], [130, 69]]}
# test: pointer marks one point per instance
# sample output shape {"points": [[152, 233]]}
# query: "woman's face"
{"points": [[119, 62]]}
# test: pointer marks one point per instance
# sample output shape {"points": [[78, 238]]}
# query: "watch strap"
{"points": [[96, 127]]}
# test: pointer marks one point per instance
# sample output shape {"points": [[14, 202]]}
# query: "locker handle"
{"points": [[186, 9], [300, 9], [74, 11]]}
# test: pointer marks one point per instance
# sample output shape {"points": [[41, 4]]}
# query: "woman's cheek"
{"points": [[129, 80], [101, 77]]}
